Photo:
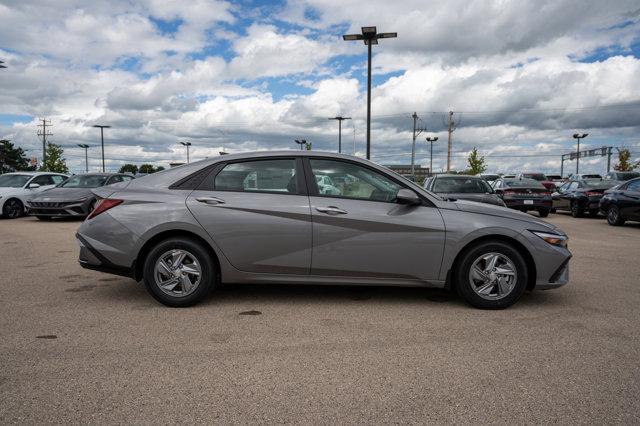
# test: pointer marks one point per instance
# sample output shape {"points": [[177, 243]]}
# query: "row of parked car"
{"points": [[617, 195], [48, 195]]}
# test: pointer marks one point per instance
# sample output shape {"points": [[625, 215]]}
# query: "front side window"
{"points": [[43, 180], [349, 180], [58, 179], [258, 176]]}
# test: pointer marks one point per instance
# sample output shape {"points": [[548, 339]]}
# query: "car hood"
{"points": [[489, 209], [8, 191], [63, 194], [480, 198]]}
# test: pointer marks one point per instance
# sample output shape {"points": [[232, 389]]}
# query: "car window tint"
{"points": [[343, 179], [114, 179], [259, 176], [57, 179], [126, 178], [43, 180], [461, 185], [634, 186]]}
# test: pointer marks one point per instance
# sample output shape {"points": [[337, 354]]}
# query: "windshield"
{"points": [[461, 185], [85, 181], [535, 176], [13, 181], [523, 183]]}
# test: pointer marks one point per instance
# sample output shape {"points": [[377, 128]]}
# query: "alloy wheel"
{"points": [[12, 208], [177, 273], [493, 276]]}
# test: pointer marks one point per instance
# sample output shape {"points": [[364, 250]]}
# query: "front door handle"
{"points": [[210, 200], [331, 210]]}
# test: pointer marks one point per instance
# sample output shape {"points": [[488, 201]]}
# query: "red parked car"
{"points": [[540, 177]]}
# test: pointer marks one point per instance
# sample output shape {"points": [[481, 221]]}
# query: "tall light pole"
{"points": [[101, 127], [431, 140], [370, 37], [187, 144], [340, 119], [301, 142], [579, 136], [86, 157]]}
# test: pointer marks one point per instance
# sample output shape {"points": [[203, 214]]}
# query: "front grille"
{"points": [[50, 204]]}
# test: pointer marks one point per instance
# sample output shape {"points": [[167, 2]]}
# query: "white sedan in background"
{"points": [[17, 188]]}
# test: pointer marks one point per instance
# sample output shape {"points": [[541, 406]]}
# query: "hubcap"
{"points": [[12, 208], [493, 276], [177, 273]]}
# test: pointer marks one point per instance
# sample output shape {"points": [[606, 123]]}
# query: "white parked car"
{"points": [[18, 188]]}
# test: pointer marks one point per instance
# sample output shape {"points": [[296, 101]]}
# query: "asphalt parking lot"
{"points": [[80, 346]]}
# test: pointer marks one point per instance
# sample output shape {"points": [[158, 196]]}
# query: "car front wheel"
{"points": [[179, 272], [13, 208], [614, 218], [576, 211], [491, 275]]}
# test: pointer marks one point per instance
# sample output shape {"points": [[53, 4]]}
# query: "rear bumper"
{"points": [[90, 258], [535, 204]]}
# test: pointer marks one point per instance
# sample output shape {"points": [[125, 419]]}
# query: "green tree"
{"points": [[476, 163], [54, 161], [149, 168], [129, 168], [624, 165], [12, 158]]}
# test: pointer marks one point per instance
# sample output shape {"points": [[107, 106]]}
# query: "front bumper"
{"points": [[60, 209], [559, 278]]}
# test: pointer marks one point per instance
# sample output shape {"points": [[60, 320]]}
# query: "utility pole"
{"points": [[187, 144], [431, 140], [416, 133], [370, 36], [579, 136], [44, 123], [86, 156], [451, 127], [101, 127], [609, 159], [339, 118]]}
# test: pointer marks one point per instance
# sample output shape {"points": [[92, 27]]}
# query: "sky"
{"points": [[521, 77]]}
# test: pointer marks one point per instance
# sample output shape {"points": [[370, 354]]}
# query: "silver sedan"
{"points": [[313, 218]]}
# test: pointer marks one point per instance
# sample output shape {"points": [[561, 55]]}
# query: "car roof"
{"points": [[458, 176], [27, 173]]}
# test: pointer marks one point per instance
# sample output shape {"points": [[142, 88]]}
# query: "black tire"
{"points": [[543, 212], [207, 276], [464, 286], [576, 211], [13, 208], [44, 218], [614, 218]]}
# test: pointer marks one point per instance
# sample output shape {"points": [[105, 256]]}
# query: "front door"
{"points": [[257, 212], [629, 201], [359, 230]]}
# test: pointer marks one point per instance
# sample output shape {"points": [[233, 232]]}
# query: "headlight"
{"points": [[553, 239]]}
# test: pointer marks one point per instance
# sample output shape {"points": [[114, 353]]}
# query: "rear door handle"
{"points": [[331, 210], [210, 200]]}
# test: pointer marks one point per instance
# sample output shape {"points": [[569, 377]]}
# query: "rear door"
{"points": [[360, 231], [257, 212], [629, 201]]}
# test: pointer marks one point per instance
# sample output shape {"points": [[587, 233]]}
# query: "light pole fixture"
{"points": [[102, 127], [431, 140], [86, 157], [340, 119], [579, 136], [370, 36], [301, 142], [187, 144]]}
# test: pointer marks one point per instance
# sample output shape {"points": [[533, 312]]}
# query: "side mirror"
{"points": [[34, 186], [407, 196]]}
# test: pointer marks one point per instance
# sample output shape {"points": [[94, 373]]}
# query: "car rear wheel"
{"points": [[179, 272], [543, 212], [576, 211], [491, 275], [13, 208], [614, 218]]}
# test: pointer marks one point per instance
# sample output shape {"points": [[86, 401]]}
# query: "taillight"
{"points": [[103, 206], [592, 193], [546, 194], [508, 193]]}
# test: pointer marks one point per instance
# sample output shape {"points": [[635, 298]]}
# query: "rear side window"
{"points": [[258, 176]]}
